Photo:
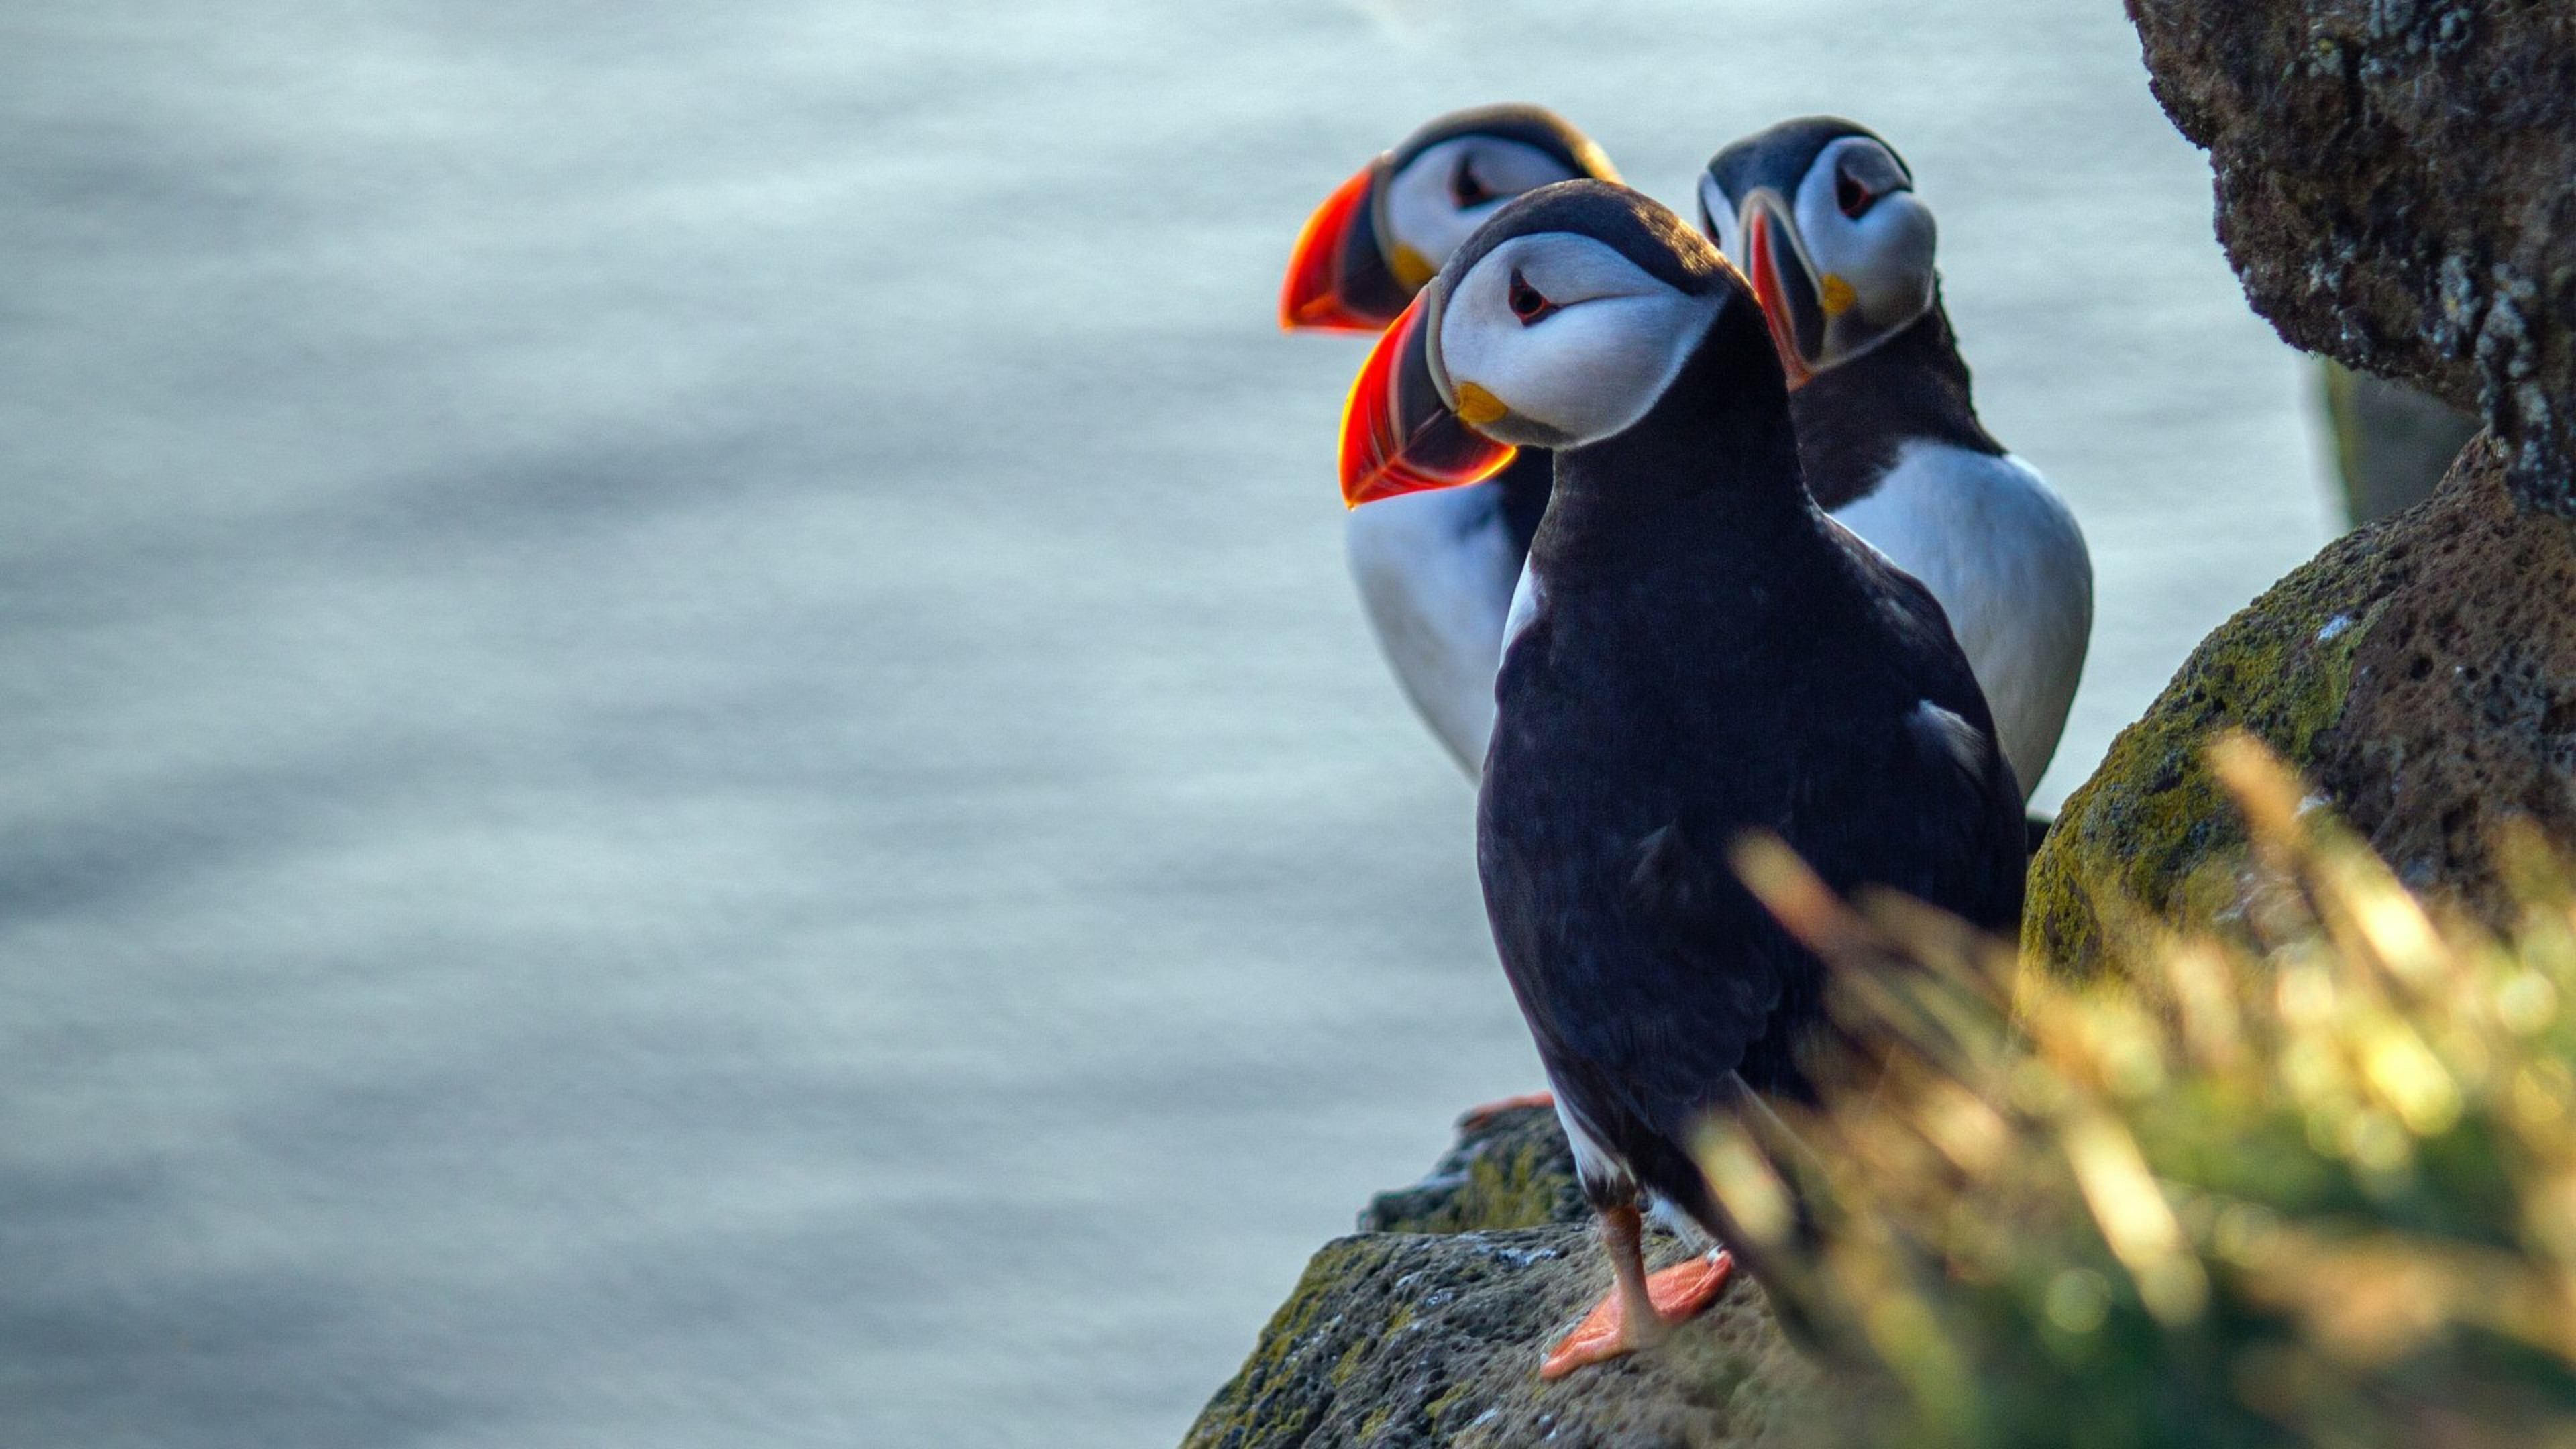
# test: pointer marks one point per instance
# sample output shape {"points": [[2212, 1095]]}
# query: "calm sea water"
{"points": [[687, 758]]}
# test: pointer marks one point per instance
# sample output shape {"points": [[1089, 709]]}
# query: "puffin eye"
{"points": [[1466, 188], [1851, 195], [1527, 302]]}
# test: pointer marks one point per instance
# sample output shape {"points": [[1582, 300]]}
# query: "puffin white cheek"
{"points": [[1413, 224], [1444, 228], [1882, 259], [1419, 215], [1591, 370], [1423, 214], [1898, 241], [1718, 218]]}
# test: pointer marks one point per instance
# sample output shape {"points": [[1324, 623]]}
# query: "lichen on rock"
{"points": [[1430, 1332], [2461, 717], [2394, 189], [2152, 815], [2421, 671], [1512, 1169], [2393, 182]]}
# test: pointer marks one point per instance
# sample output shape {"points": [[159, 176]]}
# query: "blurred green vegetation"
{"points": [[2305, 1177]]}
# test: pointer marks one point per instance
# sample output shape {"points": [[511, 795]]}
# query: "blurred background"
{"points": [[688, 760]]}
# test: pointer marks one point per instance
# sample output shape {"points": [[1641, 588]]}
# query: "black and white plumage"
{"points": [[1435, 573], [1888, 428], [1435, 570], [1822, 215], [1701, 651]]}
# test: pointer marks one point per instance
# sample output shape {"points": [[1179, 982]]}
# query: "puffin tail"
{"points": [[1769, 1257]]}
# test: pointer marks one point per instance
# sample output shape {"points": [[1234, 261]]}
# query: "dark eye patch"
{"points": [[1466, 188], [1851, 193], [1528, 303], [1864, 174]]}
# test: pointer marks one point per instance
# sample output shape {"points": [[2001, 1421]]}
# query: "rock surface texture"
{"points": [[2396, 185], [2397, 188], [2421, 671], [1510, 1170], [1427, 1328]]}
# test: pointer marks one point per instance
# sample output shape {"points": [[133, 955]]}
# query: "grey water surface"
{"points": [[687, 761]]}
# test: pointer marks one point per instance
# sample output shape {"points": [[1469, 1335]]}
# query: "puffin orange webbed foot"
{"points": [[1477, 1118], [1679, 1293]]}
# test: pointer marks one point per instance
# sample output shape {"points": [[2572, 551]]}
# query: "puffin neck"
{"points": [[1526, 483], [1855, 419], [1714, 463]]}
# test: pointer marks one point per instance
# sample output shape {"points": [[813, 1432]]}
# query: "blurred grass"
{"points": [[2306, 1177]]}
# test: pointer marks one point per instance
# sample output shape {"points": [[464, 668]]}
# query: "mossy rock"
{"points": [[2392, 186], [1428, 1327], [1511, 1169], [2147, 821], [2421, 672], [1411, 1339]]}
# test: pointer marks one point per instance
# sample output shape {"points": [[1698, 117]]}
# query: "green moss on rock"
{"points": [[1525, 1187], [1428, 1330], [1510, 1170], [2151, 818], [1421, 1339], [2420, 673], [1272, 1401]]}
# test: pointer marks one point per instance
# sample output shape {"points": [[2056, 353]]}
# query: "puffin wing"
{"points": [[1658, 988], [1939, 816], [1646, 972], [1919, 799]]}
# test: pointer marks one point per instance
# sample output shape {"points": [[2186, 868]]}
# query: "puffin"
{"points": [[1435, 571], [1822, 215], [1699, 651]]}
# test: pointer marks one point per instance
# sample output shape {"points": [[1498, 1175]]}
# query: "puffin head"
{"points": [[1560, 324], [1821, 215], [1381, 234]]}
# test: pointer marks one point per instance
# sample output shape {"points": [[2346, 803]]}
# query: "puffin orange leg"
{"points": [[1475, 1117], [1640, 1309]]}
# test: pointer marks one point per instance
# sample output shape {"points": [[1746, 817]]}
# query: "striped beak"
{"points": [[1339, 277], [1402, 430], [1787, 292]]}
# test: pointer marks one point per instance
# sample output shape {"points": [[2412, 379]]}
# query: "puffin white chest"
{"points": [[1997, 546], [1435, 572]]}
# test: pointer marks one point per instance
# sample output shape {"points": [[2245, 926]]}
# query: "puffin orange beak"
{"points": [[1770, 281], [1339, 279], [1399, 431]]}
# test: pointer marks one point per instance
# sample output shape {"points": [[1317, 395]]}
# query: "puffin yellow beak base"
{"points": [[1411, 268], [1399, 434], [1339, 278]]}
